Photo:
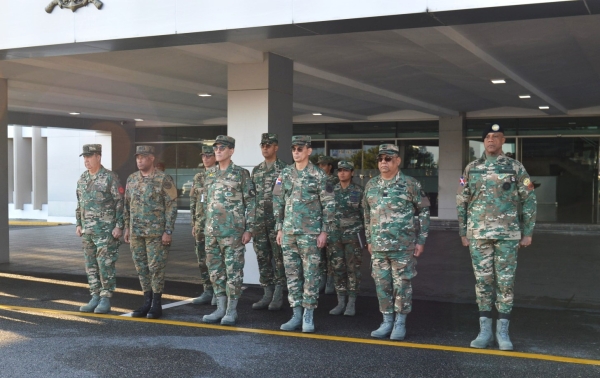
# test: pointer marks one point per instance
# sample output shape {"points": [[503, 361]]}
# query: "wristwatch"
{"points": [[168, 232]]}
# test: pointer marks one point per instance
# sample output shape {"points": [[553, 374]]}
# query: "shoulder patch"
{"points": [[121, 190], [462, 181]]}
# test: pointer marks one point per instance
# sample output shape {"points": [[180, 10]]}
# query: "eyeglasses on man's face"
{"points": [[386, 158], [266, 145], [219, 147], [297, 148]]}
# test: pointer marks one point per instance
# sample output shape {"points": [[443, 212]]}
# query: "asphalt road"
{"points": [[42, 335]]}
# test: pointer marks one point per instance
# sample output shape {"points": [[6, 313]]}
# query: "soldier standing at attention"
{"points": [[494, 191], [391, 202], [303, 206], [264, 176], [150, 212], [99, 217], [228, 216], [326, 266], [349, 224], [197, 198]]}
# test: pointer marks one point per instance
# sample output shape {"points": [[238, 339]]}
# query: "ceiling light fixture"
{"points": [[204, 95], [544, 107], [524, 96], [498, 81], [317, 114], [74, 113], [138, 120]]}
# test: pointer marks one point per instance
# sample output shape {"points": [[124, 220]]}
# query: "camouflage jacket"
{"points": [[264, 182], [230, 202], [348, 209], [99, 202], [303, 201], [489, 197], [197, 198], [150, 204], [390, 208]]}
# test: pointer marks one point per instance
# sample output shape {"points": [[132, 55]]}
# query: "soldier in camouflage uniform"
{"points": [[264, 176], [99, 217], [349, 225], [391, 202], [197, 198], [228, 216], [494, 192], [149, 217], [326, 267], [303, 206]]}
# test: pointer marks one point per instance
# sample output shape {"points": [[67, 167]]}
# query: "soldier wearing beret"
{"points": [[303, 206], [197, 198], [228, 218], [326, 267], [264, 175], [495, 191], [149, 217], [347, 252], [391, 202], [99, 217]]}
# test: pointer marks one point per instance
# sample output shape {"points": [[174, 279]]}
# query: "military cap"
{"points": [[144, 150], [388, 149], [90, 149], [495, 128], [344, 164], [225, 140], [324, 159], [301, 140], [207, 150], [269, 138]]}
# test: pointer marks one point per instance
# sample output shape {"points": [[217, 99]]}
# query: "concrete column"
{"points": [[22, 168], [39, 157], [452, 147], [260, 100], [4, 244]]}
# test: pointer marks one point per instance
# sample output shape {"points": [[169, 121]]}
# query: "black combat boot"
{"points": [[142, 311], [156, 309]]}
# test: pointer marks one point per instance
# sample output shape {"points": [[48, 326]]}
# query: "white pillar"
{"points": [[39, 168], [4, 245], [259, 100], [22, 168], [452, 147]]}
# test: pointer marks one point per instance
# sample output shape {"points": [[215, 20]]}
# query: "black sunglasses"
{"points": [[386, 158]]}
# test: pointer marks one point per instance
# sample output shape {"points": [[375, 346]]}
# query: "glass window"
{"points": [[476, 148], [421, 160], [361, 130], [181, 133], [420, 129], [559, 126], [316, 131], [475, 127], [318, 148]]}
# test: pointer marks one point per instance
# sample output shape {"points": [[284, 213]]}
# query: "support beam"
{"points": [[22, 168], [39, 173], [4, 242]]}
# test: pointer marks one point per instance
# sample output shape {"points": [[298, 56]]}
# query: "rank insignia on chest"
{"points": [[385, 194], [462, 181]]}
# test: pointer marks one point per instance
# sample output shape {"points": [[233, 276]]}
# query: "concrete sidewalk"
{"points": [[558, 271]]}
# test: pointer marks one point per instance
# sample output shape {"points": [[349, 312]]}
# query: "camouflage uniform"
{"points": [[99, 211], [389, 211], [197, 198], [349, 219], [265, 243], [490, 194], [150, 211], [227, 213], [303, 206], [331, 255]]}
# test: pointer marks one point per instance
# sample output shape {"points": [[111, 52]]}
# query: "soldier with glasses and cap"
{"points": [[391, 202], [303, 206], [99, 217], [149, 217], [197, 199], [264, 175], [496, 215]]}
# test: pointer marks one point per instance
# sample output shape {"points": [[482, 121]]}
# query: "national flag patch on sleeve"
{"points": [[462, 181], [278, 181]]}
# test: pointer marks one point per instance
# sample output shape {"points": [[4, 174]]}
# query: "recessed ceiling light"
{"points": [[138, 120], [524, 96], [544, 107], [204, 95], [317, 114], [498, 81], [74, 113]]}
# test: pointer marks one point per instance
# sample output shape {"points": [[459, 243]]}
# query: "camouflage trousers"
{"points": [[301, 259], [337, 262], [201, 255], [353, 257], [267, 250], [150, 260], [101, 253], [225, 259], [392, 272], [494, 264]]}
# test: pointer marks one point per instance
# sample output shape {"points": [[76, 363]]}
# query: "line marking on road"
{"points": [[401, 344], [164, 307]]}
